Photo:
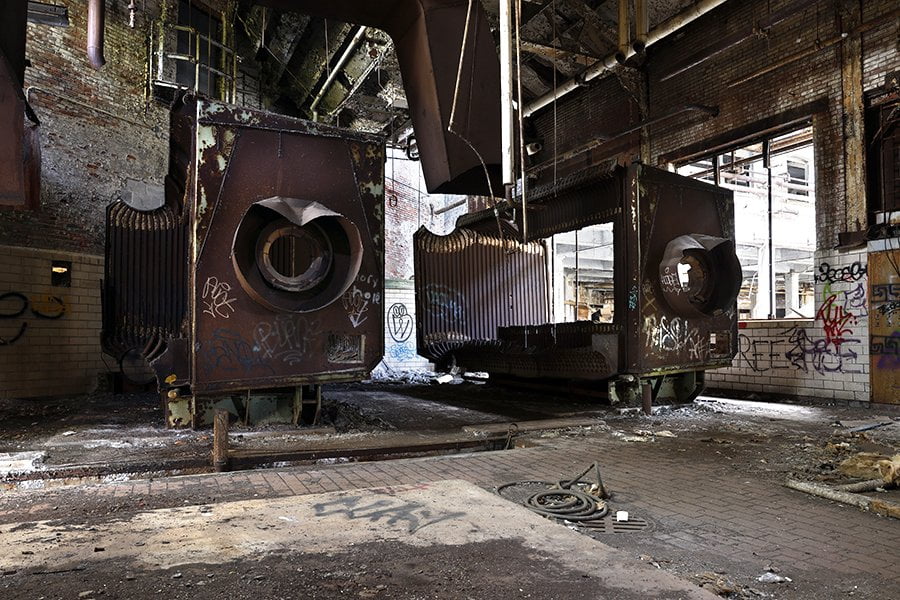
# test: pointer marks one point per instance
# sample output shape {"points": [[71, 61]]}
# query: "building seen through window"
{"points": [[775, 221]]}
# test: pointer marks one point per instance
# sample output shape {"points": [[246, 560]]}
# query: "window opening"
{"points": [[582, 270], [773, 182]]}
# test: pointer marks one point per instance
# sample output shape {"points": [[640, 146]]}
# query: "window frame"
{"points": [[766, 139]]}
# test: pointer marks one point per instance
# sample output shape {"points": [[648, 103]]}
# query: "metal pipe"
{"points": [[641, 26], [345, 57], [506, 103], [767, 163], [646, 398], [675, 23], [95, 32], [624, 32], [519, 103]]}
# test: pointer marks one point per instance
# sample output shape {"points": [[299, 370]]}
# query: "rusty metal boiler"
{"points": [[484, 299], [261, 268]]}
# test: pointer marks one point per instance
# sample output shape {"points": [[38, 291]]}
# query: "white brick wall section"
{"points": [[400, 328], [796, 358]]}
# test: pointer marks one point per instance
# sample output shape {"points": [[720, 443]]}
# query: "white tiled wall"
{"points": [[400, 328], [824, 358]]}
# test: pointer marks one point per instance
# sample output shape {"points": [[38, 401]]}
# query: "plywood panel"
{"points": [[884, 325]]}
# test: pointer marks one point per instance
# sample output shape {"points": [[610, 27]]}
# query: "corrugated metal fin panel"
{"points": [[468, 285], [144, 292]]}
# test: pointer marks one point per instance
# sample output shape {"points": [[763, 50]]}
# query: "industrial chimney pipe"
{"points": [[95, 32], [641, 26], [624, 32]]}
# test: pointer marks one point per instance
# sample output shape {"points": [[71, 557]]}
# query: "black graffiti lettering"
{"points": [[15, 338], [23, 305], [759, 355], [829, 274], [16, 303], [400, 323]]}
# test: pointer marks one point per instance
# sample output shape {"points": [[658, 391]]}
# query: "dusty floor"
{"points": [[121, 434], [706, 478], [448, 539]]}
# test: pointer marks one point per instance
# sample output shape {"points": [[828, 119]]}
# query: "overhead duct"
{"points": [[427, 35], [19, 143]]}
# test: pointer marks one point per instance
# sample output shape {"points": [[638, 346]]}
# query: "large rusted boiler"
{"points": [[262, 268], [485, 300]]}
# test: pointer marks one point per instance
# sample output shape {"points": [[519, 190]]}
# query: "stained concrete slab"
{"points": [[446, 515]]}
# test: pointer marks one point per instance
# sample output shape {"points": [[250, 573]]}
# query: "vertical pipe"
{"points": [[506, 108], [519, 103], [220, 441], [641, 25], [624, 32], [577, 283], [646, 398], [95, 32], [767, 162]]}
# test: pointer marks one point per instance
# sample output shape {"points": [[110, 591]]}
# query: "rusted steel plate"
{"points": [[12, 124], [661, 335], [884, 325], [246, 157], [428, 35], [20, 150]]}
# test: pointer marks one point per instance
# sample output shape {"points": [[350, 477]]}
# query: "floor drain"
{"points": [[608, 524]]}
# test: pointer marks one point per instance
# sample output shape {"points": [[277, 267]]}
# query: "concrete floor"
{"points": [[707, 479]]}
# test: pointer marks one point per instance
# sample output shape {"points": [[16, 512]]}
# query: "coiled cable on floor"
{"points": [[571, 505], [570, 499]]}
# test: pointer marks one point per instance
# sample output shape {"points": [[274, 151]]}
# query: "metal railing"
{"points": [[165, 60]]}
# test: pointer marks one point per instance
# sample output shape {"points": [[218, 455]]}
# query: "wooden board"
{"points": [[884, 325]]}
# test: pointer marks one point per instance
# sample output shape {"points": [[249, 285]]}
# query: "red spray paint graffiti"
{"points": [[836, 320]]}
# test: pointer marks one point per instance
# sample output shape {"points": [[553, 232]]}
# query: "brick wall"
{"points": [[812, 86], [53, 346], [408, 206], [98, 128], [791, 87], [825, 358], [400, 328]]}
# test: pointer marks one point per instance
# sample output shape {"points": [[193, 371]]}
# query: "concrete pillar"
{"points": [[792, 294], [559, 287], [761, 308]]}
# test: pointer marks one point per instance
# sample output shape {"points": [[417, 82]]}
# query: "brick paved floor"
{"points": [[708, 511]]}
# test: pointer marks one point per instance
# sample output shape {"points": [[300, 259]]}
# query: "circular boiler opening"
{"points": [[294, 258]]}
